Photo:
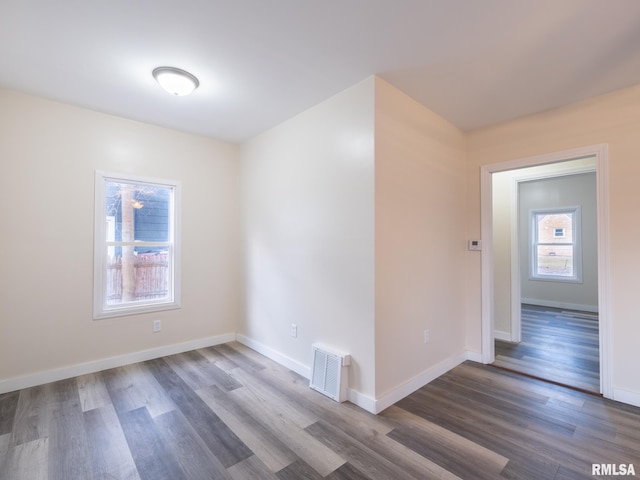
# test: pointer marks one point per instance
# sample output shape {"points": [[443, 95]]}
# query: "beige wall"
{"points": [[49, 153], [308, 224], [420, 238], [363, 250], [613, 119], [309, 227]]}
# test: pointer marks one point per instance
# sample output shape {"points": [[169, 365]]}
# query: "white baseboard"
{"points": [[564, 305], [26, 381], [363, 401], [398, 393], [474, 356], [290, 363], [625, 396], [504, 336]]}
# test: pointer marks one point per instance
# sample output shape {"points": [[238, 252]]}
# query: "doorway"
{"points": [[495, 311], [546, 215]]}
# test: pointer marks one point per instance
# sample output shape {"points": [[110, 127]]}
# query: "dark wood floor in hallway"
{"points": [[227, 412], [557, 345]]}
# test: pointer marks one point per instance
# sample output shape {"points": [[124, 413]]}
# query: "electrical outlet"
{"points": [[294, 330], [426, 337], [157, 326]]}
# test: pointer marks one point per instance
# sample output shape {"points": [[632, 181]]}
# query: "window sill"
{"points": [[553, 279], [134, 310]]}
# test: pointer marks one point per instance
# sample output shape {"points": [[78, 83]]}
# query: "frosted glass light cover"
{"points": [[175, 81]]}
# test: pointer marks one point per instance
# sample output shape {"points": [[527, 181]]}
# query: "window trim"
{"points": [[100, 309], [575, 211]]}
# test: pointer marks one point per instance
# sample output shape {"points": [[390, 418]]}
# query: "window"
{"points": [[555, 245], [136, 267]]}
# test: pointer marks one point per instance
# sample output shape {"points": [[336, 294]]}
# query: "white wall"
{"points": [[309, 227], [502, 211], [49, 153], [420, 241], [308, 191], [613, 119], [559, 192]]}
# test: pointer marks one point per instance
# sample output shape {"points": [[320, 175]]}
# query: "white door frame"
{"points": [[602, 185]]}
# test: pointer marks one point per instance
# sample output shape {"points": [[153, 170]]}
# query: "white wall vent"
{"points": [[329, 374]]}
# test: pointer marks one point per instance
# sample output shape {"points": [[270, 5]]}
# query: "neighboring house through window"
{"points": [[136, 264], [555, 245]]}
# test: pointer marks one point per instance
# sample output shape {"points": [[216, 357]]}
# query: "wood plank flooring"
{"points": [[557, 345], [226, 412]]}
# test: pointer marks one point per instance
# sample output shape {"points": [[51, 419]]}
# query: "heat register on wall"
{"points": [[330, 373]]}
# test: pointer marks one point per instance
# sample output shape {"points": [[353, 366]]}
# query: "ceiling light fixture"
{"points": [[175, 81]]}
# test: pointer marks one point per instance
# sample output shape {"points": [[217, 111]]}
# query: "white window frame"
{"points": [[575, 212], [101, 248]]}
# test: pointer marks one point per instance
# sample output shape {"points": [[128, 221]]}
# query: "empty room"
{"points": [[293, 240]]}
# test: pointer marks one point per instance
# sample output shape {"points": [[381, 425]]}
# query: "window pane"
{"points": [[555, 228], [135, 277], [555, 260], [138, 212]]}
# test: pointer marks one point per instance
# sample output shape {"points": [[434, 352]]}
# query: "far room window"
{"points": [[555, 245], [136, 267]]}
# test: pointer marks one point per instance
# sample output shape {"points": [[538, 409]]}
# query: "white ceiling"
{"points": [[474, 62]]}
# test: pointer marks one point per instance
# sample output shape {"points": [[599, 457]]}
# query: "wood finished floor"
{"points": [[557, 345], [227, 412]]}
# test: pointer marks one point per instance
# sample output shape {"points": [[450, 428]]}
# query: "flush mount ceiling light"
{"points": [[175, 81]]}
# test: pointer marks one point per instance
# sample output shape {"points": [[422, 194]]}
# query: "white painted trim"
{"points": [[26, 381], [288, 362], [398, 393], [604, 275], [516, 280], [564, 305], [504, 336], [473, 356], [370, 404], [626, 396], [100, 310], [363, 401], [357, 398], [604, 272], [548, 158], [486, 209], [576, 225], [561, 171]]}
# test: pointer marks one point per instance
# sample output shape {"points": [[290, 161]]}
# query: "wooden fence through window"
{"points": [[152, 277]]}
